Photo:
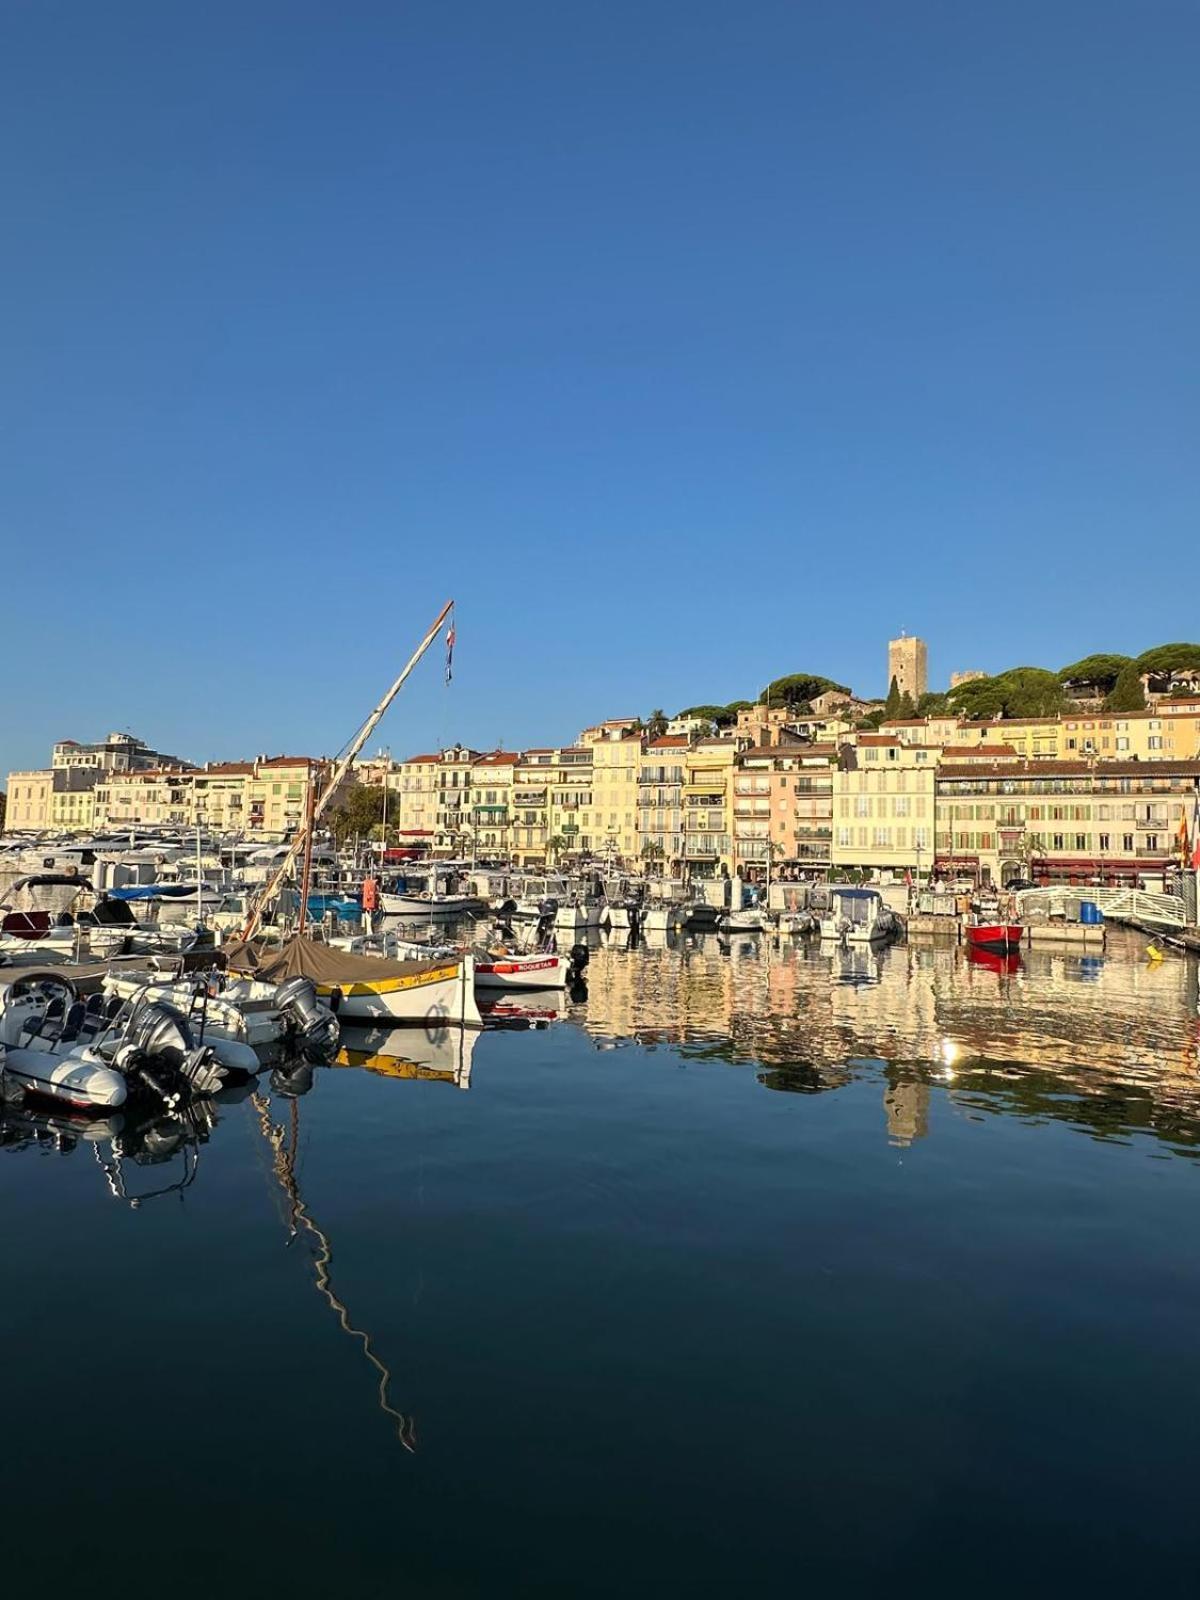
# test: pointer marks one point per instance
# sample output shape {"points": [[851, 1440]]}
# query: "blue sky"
{"points": [[685, 344]]}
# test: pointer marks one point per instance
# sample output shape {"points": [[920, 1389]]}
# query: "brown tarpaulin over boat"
{"points": [[306, 958]]}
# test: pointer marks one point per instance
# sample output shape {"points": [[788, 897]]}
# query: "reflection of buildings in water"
{"points": [[808, 1013], [410, 1052], [906, 1107]]}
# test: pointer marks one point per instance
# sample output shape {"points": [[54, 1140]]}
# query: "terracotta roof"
{"points": [[220, 768], [998, 752], [878, 739], [289, 761], [498, 758], [413, 760], [670, 741]]}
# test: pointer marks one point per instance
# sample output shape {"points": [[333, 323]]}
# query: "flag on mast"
{"points": [[449, 652]]}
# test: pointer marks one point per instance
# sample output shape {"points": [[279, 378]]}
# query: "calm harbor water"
{"points": [[765, 1271]]}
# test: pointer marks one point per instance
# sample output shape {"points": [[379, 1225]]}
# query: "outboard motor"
{"points": [[579, 958], [504, 919], [314, 1025], [576, 982], [293, 1080], [157, 1049], [544, 933]]}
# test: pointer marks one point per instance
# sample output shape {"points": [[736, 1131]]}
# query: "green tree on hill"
{"points": [[1126, 693], [799, 686], [891, 706], [1164, 658], [1102, 670], [1019, 692]]}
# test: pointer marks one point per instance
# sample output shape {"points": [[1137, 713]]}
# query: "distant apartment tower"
{"points": [[965, 677], [908, 663]]}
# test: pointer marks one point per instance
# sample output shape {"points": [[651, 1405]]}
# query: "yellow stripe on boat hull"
{"points": [[418, 980]]}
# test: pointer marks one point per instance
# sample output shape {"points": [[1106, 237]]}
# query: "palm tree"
{"points": [[555, 846]]}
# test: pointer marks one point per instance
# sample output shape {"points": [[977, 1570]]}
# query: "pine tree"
{"points": [[892, 704]]}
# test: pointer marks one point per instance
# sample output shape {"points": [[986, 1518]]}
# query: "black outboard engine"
{"points": [[157, 1050], [576, 981], [293, 1080], [314, 1026], [544, 933], [504, 919]]}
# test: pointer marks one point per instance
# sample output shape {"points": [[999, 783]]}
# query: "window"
{"points": [[1151, 841], [1057, 842], [1081, 842], [1105, 841], [1127, 842], [1122, 744], [844, 837], [862, 806]]}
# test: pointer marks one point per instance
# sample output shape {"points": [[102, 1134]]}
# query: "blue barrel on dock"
{"points": [[1090, 913]]}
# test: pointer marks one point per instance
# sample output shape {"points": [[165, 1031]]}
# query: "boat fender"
{"points": [[335, 1000], [579, 957]]}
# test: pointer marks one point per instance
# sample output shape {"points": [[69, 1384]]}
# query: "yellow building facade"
{"points": [[883, 805]]}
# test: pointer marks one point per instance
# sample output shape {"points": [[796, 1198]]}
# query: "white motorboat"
{"points": [[87, 1054], [750, 919], [428, 892], [238, 1015], [511, 970], [859, 916]]}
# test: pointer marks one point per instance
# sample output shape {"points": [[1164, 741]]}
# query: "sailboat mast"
{"points": [[339, 773]]}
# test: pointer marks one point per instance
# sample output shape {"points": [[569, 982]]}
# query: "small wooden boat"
{"points": [[997, 938], [368, 988], [504, 969]]}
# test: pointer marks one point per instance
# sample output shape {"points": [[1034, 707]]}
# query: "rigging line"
{"points": [[284, 1168]]}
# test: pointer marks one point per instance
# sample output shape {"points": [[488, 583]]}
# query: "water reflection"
{"points": [[1109, 1043], [283, 1141], [124, 1144]]}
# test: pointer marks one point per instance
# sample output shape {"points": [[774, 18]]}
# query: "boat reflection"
{"points": [[123, 1144], [1110, 1031], [992, 961], [441, 1055]]}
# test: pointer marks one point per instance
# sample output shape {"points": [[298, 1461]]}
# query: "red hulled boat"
{"points": [[997, 938]]}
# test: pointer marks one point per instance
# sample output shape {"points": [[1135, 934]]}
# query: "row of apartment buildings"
{"points": [[1077, 797], [122, 783], [1040, 802]]}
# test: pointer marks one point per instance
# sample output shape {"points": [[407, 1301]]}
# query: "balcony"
{"points": [[489, 814], [714, 786], [705, 846], [529, 797], [706, 800]]}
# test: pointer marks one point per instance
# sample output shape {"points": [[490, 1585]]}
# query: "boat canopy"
{"points": [[308, 958]]}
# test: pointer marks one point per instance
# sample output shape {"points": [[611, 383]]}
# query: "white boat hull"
{"points": [[443, 994], [416, 905], [509, 972], [74, 1078]]}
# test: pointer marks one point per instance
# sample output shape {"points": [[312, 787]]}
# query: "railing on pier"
{"points": [[1122, 905]]}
